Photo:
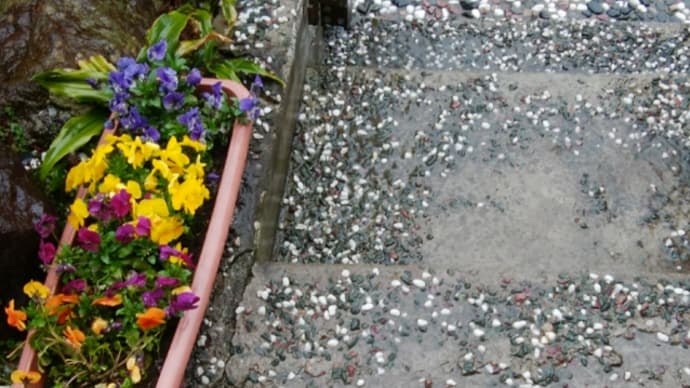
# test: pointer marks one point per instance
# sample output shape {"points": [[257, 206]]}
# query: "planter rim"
{"points": [[187, 329]]}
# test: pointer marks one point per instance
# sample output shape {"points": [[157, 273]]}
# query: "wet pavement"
{"points": [[492, 203]]}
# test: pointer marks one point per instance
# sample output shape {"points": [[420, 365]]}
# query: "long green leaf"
{"points": [[97, 63], [168, 27], [72, 83], [243, 66], [224, 72], [75, 133]]}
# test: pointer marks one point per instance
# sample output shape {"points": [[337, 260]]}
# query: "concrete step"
{"points": [[530, 46], [624, 11], [511, 174], [402, 326]]}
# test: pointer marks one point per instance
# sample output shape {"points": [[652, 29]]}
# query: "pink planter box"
{"points": [[212, 250]]}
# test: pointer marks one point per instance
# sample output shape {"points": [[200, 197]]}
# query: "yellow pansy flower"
{"points": [[134, 189], [196, 169], [76, 176], [78, 213], [181, 289], [162, 168], [136, 151], [165, 230], [98, 325], [196, 145], [110, 184], [25, 377], [151, 208], [34, 289], [134, 371], [173, 156], [188, 195]]}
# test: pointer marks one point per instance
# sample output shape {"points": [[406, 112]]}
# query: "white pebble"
{"points": [[519, 324], [662, 337], [419, 283]]}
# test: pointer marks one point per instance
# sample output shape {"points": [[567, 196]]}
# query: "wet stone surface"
{"points": [[578, 46], [322, 326], [666, 11], [459, 169]]}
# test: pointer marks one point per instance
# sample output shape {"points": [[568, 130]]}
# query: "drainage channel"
{"points": [[308, 51]]}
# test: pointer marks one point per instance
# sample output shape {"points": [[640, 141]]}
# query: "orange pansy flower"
{"points": [[55, 305], [25, 377], [15, 318], [110, 301], [151, 318], [74, 337]]}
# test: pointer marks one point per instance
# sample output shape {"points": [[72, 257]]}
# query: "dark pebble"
{"points": [[595, 7], [614, 12], [401, 3], [586, 13], [365, 7], [469, 4], [544, 14]]}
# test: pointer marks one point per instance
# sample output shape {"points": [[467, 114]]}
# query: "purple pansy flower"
{"points": [[173, 101], [115, 287], [151, 297], [166, 281], [45, 225], [125, 233], [46, 252], [157, 51], [182, 302], [167, 78], [137, 280], [215, 98], [166, 251], [143, 227], [74, 286], [133, 120], [120, 203], [88, 239], [125, 62], [98, 209], [151, 134], [194, 77], [192, 120], [118, 103]]}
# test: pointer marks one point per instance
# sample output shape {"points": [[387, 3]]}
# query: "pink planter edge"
{"points": [[183, 341]]}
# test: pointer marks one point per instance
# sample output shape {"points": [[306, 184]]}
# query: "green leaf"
{"points": [[229, 13], [224, 72], [188, 46], [168, 27], [204, 20], [75, 133], [97, 63], [72, 83], [242, 66]]}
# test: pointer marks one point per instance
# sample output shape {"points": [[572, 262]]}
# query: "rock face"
{"points": [[38, 35], [21, 205]]}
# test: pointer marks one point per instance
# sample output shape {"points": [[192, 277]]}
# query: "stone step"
{"points": [[420, 11], [401, 326], [529, 46], [535, 173]]}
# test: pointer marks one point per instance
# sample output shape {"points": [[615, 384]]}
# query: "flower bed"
{"points": [[128, 271]]}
